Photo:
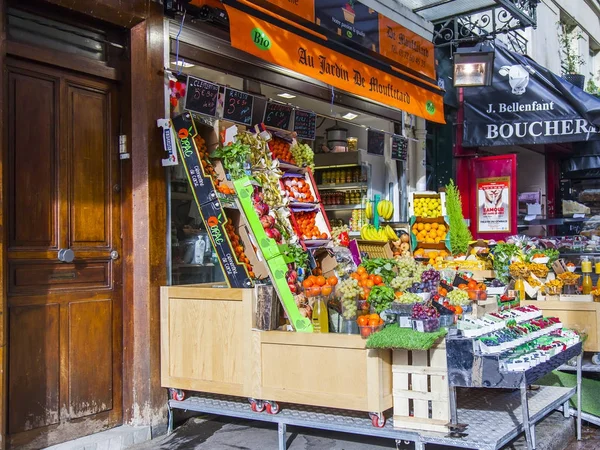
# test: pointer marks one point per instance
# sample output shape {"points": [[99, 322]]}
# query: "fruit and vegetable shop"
{"points": [[315, 281]]}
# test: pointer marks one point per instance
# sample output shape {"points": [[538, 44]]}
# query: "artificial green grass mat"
{"points": [[395, 337], [590, 389]]}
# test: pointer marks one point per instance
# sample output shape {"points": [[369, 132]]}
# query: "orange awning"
{"points": [[278, 41]]}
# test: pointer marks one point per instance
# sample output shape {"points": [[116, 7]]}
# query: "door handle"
{"points": [[66, 255], [114, 255]]}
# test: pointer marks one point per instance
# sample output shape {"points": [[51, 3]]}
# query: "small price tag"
{"points": [[578, 216], [529, 218]]}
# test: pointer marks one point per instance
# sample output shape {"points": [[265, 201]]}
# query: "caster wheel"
{"points": [[177, 395], [378, 422], [596, 359], [272, 407], [257, 406]]}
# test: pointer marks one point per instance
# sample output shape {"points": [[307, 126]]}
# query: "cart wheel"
{"points": [[177, 395], [272, 407], [257, 406], [596, 359], [378, 421]]}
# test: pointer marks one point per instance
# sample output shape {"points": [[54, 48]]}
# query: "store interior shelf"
{"points": [[341, 207], [341, 186]]}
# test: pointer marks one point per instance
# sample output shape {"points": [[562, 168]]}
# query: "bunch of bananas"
{"points": [[385, 209], [370, 233]]}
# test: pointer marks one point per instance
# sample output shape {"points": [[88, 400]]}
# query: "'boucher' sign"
{"points": [[526, 104]]}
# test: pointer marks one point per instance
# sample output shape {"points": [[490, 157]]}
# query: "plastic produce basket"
{"points": [[426, 325]]}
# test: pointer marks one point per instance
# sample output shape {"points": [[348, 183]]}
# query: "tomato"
{"points": [[364, 276], [362, 321], [372, 277], [377, 280], [369, 283], [355, 276], [307, 283], [361, 270], [321, 280], [332, 281], [365, 331], [326, 290]]}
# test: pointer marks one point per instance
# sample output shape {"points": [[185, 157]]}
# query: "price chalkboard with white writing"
{"points": [[201, 96], [278, 115], [305, 124], [399, 147], [238, 106], [375, 142]]}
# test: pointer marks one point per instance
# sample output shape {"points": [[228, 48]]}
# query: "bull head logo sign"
{"points": [[518, 77]]}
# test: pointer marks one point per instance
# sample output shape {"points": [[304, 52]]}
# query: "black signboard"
{"points": [[305, 124], [527, 104], [399, 147], [351, 20], [278, 115], [201, 96], [375, 142], [238, 106], [201, 184]]}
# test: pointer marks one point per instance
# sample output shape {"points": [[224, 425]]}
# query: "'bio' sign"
{"points": [[260, 39]]}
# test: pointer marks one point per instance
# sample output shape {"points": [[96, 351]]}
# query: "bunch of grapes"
{"points": [[400, 283], [406, 267], [458, 297], [421, 311], [408, 298], [303, 155], [431, 279], [348, 290]]}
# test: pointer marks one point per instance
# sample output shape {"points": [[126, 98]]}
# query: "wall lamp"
{"points": [[473, 66]]}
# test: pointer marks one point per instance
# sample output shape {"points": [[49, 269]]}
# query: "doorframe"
{"points": [[141, 95]]}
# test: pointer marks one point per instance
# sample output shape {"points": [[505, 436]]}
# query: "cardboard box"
{"points": [[251, 249]]}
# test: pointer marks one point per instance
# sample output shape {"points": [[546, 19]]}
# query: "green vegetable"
{"points": [[381, 266], [503, 253], [393, 336], [381, 298], [460, 236], [234, 157], [297, 255]]}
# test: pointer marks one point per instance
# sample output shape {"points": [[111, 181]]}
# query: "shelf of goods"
{"points": [[310, 369]]}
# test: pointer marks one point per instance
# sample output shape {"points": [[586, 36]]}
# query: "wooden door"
{"points": [[64, 319]]}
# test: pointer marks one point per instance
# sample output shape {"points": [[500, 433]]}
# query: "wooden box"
{"points": [[420, 388], [329, 370], [206, 339]]}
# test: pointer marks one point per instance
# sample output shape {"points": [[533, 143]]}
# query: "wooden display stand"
{"points": [[208, 345], [577, 315], [421, 379]]}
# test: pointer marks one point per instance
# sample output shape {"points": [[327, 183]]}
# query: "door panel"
{"points": [[32, 160], [65, 324], [90, 166], [33, 396], [90, 357]]}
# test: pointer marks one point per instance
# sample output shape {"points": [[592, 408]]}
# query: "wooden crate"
{"points": [[420, 389]]}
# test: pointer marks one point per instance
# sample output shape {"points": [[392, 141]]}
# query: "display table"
{"points": [[208, 345], [583, 316]]}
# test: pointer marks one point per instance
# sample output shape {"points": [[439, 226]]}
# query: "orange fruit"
{"points": [[355, 276], [361, 270], [458, 309], [362, 320], [315, 290], [472, 285], [332, 281], [472, 295], [321, 280], [326, 290], [307, 283], [369, 283], [364, 276], [374, 317], [373, 322]]}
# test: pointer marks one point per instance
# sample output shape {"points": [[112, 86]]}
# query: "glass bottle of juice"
{"points": [[320, 318], [597, 270], [520, 289], [586, 269]]}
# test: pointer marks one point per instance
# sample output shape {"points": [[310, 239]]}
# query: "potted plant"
{"points": [[571, 59], [592, 88]]}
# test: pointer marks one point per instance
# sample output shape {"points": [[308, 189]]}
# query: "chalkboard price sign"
{"points": [[278, 115], [238, 106], [376, 142], [305, 124], [399, 147], [201, 96]]}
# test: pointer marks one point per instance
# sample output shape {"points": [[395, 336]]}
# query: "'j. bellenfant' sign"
{"points": [[526, 104]]}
